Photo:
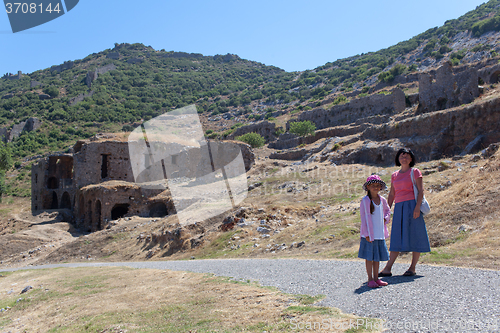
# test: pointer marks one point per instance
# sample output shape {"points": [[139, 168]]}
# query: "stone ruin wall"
{"points": [[98, 178], [446, 89], [445, 132], [96, 205], [89, 159], [357, 109], [31, 124], [490, 74], [265, 128], [52, 184]]}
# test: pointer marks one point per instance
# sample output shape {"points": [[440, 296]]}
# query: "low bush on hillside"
{"points": [[253, 139], [303, 128]]}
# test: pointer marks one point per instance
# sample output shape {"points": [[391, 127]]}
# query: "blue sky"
{"points": [[293, 35]]}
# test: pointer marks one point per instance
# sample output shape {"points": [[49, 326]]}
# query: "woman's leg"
{"points": [[414, 260], [392, 258], [369, 269]]}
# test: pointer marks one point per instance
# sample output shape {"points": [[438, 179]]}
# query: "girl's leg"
{"points": [[392, 258], [376, 265], [414, 260], [369, 269]]}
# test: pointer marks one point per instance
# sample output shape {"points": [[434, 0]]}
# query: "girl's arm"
{"points": [[364, 218]]}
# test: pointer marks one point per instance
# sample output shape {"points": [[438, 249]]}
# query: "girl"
{"points": [[375, 214], [409, 232]]}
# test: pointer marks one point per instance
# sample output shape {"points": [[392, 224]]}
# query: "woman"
{"points": [[408, 232]]}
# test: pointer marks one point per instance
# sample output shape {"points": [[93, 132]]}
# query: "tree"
{"points": [[303, 128], [253, 139], [51, 91]]}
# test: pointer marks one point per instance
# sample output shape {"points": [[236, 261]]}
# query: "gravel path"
{"points": [[436, 299]]}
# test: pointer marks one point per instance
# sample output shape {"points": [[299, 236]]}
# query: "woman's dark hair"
{"points": [[372, 207], [407, 151]]}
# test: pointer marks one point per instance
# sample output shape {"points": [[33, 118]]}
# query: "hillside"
{"points": [[422, 93], [117, 88]]}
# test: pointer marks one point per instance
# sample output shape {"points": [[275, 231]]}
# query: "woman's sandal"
{"points": [[382, 274], [408, 273]]}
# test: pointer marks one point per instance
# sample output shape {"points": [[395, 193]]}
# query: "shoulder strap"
{"points": [[412, 177]]}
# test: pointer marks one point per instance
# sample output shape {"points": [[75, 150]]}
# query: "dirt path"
{"points": [[436, 299]]}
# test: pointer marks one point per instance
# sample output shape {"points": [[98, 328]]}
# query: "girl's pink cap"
{"points": [[374, 179]]}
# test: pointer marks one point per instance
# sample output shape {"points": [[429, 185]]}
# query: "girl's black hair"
{"points": [[407, 151], [372, 207]]}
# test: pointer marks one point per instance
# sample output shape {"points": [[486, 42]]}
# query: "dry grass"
{"points": [[146, 300]]}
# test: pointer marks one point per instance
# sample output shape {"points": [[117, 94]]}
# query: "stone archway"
{"points": [[66, 201], [119, 210], [54, 204], [494, 78], [52, 183], [158, 209]]}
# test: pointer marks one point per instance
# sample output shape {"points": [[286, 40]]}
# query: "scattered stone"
{"points": [[255, 185], [263, 230], [464, 228], [490, 150], [300, 244], [26, 289]]}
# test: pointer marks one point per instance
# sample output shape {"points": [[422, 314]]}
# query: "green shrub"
{"points": [[253, 139], [127, 128], [341, 99], [228, 132], [303, 128], [51, 91], [389, 75]]}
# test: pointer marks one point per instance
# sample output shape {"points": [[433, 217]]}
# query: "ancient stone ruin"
{"points": [[447, 89], [96, 184], [31, 124]]}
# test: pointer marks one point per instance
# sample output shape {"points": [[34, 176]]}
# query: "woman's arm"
{"points": [[392, 194], [420, 187], [387, 212]]}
